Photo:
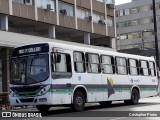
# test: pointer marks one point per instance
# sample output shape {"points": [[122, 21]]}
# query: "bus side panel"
{"points": [[85, 80], [143, 82], [154, 86], [61, 93], [61, 87], [97, 87], [121, 87]]}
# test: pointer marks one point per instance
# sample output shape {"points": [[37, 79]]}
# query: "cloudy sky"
{"points": [[121, 1]]}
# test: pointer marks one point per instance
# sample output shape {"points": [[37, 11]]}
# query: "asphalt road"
{"points": [[148, 107]]}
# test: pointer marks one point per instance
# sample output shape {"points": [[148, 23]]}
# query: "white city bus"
{"points": [[64, 73]]}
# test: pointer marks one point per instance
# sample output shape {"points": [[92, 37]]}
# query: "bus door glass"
{"points": [[62, 75]]}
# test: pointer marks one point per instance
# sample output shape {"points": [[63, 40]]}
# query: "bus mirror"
{"points": [[58, 59]]}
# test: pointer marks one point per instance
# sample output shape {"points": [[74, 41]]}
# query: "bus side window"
{"points": [[137, 64], [63, 68], [107, 63], [132, 67], [68, 63], [121, 65], [93, 63], [140, 69], [144, 67], [152, 68], [79, 62]]}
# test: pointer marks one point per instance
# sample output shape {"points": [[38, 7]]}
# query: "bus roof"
{"points": [[94, 49]]}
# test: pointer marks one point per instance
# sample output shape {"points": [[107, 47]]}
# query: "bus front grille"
{"points": [[27, 100]]}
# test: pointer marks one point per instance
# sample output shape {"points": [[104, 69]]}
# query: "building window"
{"points": [[43, 4], [130, 36], [146, 34], [134, 22], [120, 24], [126, 23], [146, 20], [97, 16], [158, 18], [121, 13], [67, 8], [19, 1], [157, 5], [117, 25], [83, 14], [127, 11], [134, 10], [117, 14], [107, 1], [100, 1], [136, 34], [123, 36], [110, 1], [110, 21], [144, 8], [79, 62]]}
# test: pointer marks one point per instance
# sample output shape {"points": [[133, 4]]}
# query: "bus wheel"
{"points": [[134, 98], [78, 101], [105, 103], [43, 108]]}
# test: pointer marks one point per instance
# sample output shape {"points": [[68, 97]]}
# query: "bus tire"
{"points": [[105, 103], [134, 98], [78, 101], [43, 108]]}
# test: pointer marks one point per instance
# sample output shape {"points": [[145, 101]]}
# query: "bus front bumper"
{"points": [[29, 101]]}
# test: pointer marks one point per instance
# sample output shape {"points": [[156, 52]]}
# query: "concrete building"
{"points": [[135, 24], [30, 21]]}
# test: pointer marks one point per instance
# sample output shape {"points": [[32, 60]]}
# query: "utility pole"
{"points": [[155, 34], [142, 42]]}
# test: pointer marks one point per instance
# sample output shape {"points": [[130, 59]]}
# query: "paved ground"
{"points": [[118, 111]]}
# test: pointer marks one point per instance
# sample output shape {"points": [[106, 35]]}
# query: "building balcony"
{"points": [[35, 20]]}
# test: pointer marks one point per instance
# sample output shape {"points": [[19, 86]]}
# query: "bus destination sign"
{"points": [[31, 49]]}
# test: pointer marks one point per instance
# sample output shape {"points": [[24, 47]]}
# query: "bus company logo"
{"points": [[6, 114], [110, 86]]}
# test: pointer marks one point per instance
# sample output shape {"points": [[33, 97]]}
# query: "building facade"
{"points": [[30, 21], [135, 24]]}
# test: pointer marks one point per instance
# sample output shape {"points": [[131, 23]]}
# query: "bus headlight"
{"points": [[44, 90], [12, 94]]}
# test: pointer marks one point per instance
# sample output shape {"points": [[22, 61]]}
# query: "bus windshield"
{"points": [[29, 69]]}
